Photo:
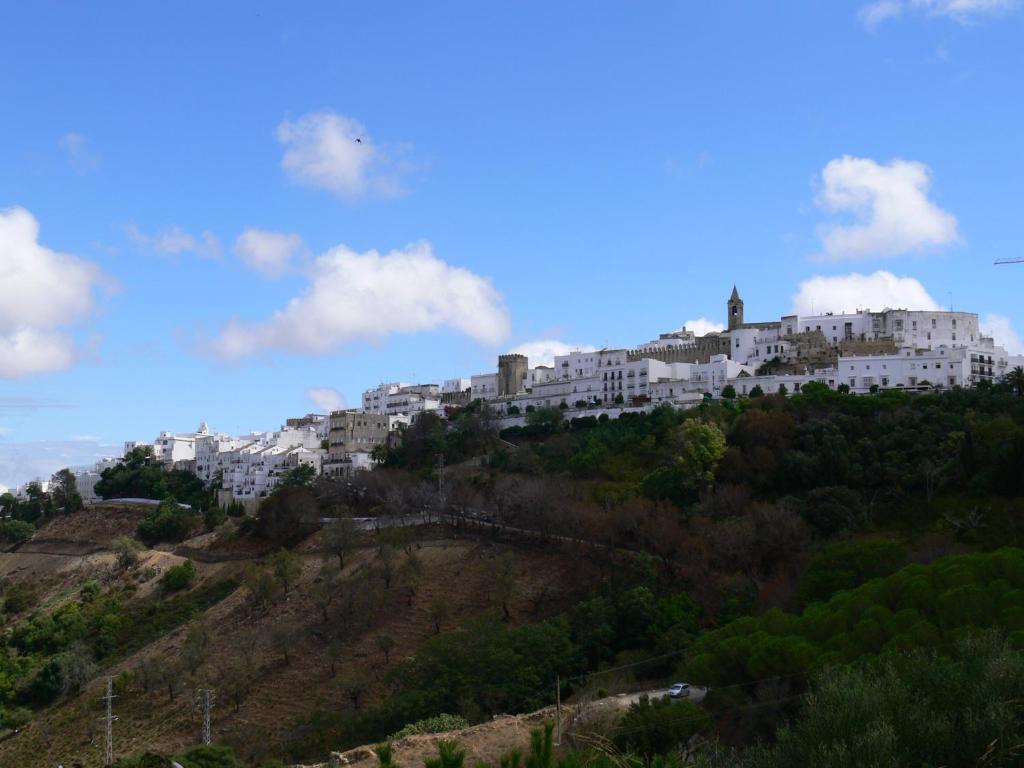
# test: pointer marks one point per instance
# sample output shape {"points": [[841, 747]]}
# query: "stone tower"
{"points": [[511, 374], [735, 305]]}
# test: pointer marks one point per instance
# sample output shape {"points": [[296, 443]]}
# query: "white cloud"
{"points": [[174, 241], [41, 293], [890, 206], [847, 293], [326, 399], [1000, 329], [24, 461], [961, 11], [874, 14], [335, 152], [76, 149], [369, 296], [702, 326], [269, 253], [544, 351]]}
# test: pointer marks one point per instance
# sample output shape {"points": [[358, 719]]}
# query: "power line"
{"points": [[204, 702], [109, 718]]}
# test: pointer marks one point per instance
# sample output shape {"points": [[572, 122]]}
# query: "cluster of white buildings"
{"points": [[861, 352]]}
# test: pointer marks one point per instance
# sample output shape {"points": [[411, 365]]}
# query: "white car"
{"points": [[679, 690]]}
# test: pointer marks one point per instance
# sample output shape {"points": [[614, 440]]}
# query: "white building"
{"points": [[484, 386], [942, 367], [402, 399]]}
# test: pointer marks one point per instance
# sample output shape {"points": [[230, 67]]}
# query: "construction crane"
{"points": [[1019, 260]]}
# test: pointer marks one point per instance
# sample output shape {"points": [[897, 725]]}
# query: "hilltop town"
{"points": [[861, 353]]}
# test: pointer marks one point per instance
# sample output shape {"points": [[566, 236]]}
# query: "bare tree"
{"points": [[439, 610], [340, 538], [385, 644], [503, 577]]}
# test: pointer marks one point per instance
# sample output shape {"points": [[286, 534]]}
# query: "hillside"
{"points": [[767, 548], [277, 692]]}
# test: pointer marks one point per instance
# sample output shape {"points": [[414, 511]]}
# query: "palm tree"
{"points": [[1015, 379]]}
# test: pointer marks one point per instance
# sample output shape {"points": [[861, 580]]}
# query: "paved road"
{"points": [[623, 700]]}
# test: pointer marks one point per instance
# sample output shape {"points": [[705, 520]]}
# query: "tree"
{"points": [[703, 447], [262, 586], [843, 389], [783, 390], [168, 521], [848, 564], [409, 574], [64, 492], [386, 555], [301, 475], [193, 650], [1015, 379], [503, 577], [282, 639], [340, 538], [126, 549], [547, 419], [235, 681], [287, 568], [385, 644], [355, 685], [288, 515], [324, 590], [756, 391], [898, 710], [439, 610], [729, 392]]}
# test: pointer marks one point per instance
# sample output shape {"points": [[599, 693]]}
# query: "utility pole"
{"points": [[558, 711], [440, 481], [204, 701], [110, 717]]}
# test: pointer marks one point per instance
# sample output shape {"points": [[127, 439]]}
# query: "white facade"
{"points": [[942, 367], [484, 386], [402, 399], [454, 386], [793, 382]]}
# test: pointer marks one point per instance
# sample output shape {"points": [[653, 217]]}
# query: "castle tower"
{"points": [[512, 371], [735, 305]]}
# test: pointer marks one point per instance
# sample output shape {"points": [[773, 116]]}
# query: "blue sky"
{"points": [[587, 173]]}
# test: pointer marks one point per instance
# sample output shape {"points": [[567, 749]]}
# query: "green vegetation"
{"points": [[169, 521], [49, 654], [178, 576], [138, 476], [919, 606], [16, 531], [436, 724]]}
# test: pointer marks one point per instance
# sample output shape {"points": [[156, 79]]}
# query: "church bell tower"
{"points": [[735, 305]]}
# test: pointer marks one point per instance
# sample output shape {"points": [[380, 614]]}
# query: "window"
{"points": [[853, 382], [954, 322], [913, 325], [933, 322], [885, 381]]}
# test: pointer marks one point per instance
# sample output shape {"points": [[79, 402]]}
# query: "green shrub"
{"points": [[167, 522], [89, 591], [16, 531], [178, 576], [437, 724], [208, 756]]}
